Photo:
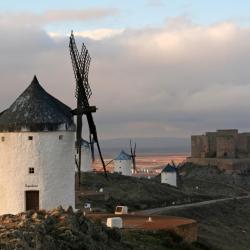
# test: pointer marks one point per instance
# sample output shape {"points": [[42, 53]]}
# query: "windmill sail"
{"points": [[81, 63]]}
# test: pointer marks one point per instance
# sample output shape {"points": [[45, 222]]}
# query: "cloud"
{"points": [[51, 16], [97, 34], [177, 80]]}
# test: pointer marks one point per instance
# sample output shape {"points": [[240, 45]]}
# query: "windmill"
{"points": [[177, 167], [133, 155], [81, 63]]}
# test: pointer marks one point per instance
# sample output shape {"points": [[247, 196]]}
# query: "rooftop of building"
{"points": [[36, 110], [169, 169], [123, 156]]}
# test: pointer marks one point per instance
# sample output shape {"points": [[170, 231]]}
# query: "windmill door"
{"points": [[32, 200]]}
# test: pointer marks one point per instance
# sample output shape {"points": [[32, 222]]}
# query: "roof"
{"points": [[169, 169], [36, 110], [123, 156]]}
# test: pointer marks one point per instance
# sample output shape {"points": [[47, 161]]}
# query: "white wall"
{"points": [[86, 161], [169, 178], [124, 167], [53, 160]]}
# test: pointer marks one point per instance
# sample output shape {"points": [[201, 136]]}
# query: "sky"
{"points": [[160, 68]]}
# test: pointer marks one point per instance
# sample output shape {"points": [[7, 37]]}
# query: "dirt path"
{"points": [[196, 204]]}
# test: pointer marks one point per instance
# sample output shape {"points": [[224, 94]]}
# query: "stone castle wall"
{"points": [[227, 165], [199, 146], [226, 149], [226, 144]]}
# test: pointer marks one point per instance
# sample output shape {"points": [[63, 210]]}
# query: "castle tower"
{"points": [[37, 135]]}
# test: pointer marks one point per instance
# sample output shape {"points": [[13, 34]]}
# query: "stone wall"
{"points": [[199, 146], [211, 136], [228, 165], [243, 145], [188, 232], [225, 146], [221, 144]]}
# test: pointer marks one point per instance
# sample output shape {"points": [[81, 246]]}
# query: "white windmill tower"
{"points": [[37, 135], [86, 162], [169, 175], [123, 164]]}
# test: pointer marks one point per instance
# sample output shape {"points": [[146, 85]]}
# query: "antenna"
{"points": [[81, 63]]}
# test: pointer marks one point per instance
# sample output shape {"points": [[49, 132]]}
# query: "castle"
{"points": [[227, 149]]}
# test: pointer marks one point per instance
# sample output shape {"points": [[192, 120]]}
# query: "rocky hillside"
{"points": [[65, 230], [213, 182], [55, 229]]}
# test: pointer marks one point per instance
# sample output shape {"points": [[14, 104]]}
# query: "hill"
{"points": [[213, 182], [136, 193], [223, 225]]}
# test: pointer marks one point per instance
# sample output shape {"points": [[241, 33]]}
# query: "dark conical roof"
{"points": [[36, 110], [169, 169], [123, 156]]}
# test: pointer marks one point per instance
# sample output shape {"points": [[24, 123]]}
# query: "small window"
{"points": [[2, 138], [30, 138], [60, 137], [31, 170]]}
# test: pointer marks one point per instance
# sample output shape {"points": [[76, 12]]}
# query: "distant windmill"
{"points": [[133, 155], [81, 63], [178, 176], [122, 162]]}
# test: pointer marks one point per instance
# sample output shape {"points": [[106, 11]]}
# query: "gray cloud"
{"points": [[171, 81], [51, 16]]}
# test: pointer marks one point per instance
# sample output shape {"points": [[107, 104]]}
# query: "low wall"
{"points": [[228, 165], [189, 232], [186, 228]]}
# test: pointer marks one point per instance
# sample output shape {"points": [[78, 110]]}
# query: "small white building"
{"points": [[37, 135], [169, 175], [123, 164], [86, 161]]}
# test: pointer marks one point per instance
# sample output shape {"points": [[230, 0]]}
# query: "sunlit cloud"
{"points": [[97, 34]]}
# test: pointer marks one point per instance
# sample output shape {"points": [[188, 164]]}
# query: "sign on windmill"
{"points": [[81, 64]]}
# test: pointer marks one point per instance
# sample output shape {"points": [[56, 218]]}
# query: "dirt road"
{"points": [[159, 210]]}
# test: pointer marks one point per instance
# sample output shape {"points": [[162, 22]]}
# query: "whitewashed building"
{"points": [[86, 162], [169, 175], [37, 135], [123, 164]]}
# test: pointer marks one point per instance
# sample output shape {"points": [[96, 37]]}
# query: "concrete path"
{"points": [[159, 210]]}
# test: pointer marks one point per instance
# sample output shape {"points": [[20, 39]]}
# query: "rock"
{"points": [[70, 210], [57, 229], [21, 224]]}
